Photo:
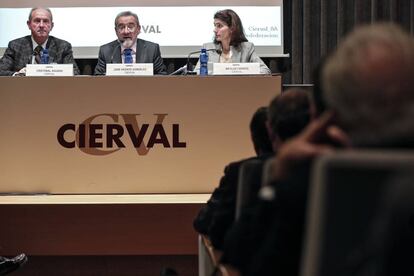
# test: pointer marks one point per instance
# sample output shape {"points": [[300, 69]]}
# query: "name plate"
{"points": [[129, 69], [49, 70], [236, 68]]}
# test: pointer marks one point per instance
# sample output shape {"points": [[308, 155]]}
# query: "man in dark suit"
{"points": [[128, 48], [217, 216], [289, 113], [26, 50]]}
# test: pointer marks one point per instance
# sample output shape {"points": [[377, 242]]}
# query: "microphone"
{"points": [[189, 65], [180, 71], [127, 43], [219, 49]]}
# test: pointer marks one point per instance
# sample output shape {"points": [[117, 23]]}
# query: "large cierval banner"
{"points": [[69, 135]]}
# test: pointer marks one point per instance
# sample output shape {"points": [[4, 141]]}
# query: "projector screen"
{"points": [[178, 28]]}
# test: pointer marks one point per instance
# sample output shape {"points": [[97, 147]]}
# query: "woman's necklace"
{"points": [[225, 58]]}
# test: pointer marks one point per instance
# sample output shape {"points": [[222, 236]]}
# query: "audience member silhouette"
{"points": [[366, 86], [289, 114], [218, 214]]}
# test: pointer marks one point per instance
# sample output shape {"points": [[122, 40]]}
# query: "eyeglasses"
{"points": [[130, 27]]}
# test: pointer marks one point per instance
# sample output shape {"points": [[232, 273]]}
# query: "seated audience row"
{"points": [[363, 98], [286, 116], [229, 41]]}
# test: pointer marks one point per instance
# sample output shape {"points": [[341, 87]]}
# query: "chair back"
{"points": [[250, 173], [347, 194]]}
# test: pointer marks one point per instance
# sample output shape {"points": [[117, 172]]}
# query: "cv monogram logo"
{"points": [[89, 137]]}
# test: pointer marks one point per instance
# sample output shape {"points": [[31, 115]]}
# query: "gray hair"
{"points": [[37, 8], [126, 13], [369, 83]]}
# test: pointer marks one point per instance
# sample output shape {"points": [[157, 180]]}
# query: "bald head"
{"points": [[39, 8], [368, 81]]}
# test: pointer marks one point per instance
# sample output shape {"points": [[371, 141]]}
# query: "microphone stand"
{"points": [[190, 67], [180, 71]]}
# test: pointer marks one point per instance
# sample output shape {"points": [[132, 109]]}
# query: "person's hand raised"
{"points": [[319, 137]]}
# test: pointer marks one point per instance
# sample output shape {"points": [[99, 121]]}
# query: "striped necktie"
{"points": [[36, 53]]}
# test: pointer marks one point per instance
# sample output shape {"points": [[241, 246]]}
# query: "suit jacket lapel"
{"points": [[140, 52], [27, 52], [117, 54], [52, 49], [235, 54], [213, 57]]}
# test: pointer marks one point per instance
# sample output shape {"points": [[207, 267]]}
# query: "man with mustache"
{"points": [[128, 48], [28, 49]]}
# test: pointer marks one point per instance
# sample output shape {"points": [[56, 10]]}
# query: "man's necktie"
{"points": [[128, 56], [36, 53]]}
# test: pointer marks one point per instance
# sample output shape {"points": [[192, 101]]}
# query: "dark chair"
{"points": [[249, 182], [349, 197]]}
